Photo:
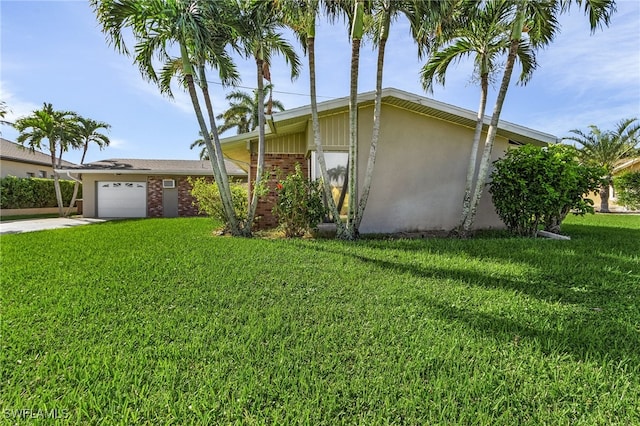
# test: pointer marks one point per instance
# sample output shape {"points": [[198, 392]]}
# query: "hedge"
{"points": [[26, 193]]}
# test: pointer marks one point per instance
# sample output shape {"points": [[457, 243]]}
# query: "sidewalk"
{"points": [[30, 225]]}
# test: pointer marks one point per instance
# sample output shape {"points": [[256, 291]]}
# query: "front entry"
{"points": [[170, 202]]}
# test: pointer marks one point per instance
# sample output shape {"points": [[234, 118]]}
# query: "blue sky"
{"points": [[54, 51]]}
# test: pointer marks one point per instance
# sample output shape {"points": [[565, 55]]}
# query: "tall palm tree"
{"points": [[301, 16], [53, 131], [537, 24], [201, 31], [606, 149], [243, 110], [483, 33], [260, 23], [423, 18], [88, 132]]}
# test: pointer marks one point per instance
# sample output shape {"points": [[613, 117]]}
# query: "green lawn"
{"points": [[156, 321]]}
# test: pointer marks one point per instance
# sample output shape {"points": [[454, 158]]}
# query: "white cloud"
{"points": [[17, 107]]}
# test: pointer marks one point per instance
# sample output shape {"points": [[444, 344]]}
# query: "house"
{"points": [[422, 160], [18, 161], [142, 188], [627, 165]]}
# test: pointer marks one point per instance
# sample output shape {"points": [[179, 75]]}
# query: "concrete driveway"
{"points": [[30, 225]]}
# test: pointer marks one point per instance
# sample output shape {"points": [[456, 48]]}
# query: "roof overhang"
{"points": [[295, 120]]}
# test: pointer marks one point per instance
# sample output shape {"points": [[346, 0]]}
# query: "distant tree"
{"points": [[606, 149], [51, 130], [243, 110], [4, 110]]}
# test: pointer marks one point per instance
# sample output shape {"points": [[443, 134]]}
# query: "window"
{"points": [[337, 171], [30, 175], [42, 173]]}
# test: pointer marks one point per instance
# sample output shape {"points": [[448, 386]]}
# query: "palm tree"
{"points": [[87, 130], [259, 24], [201, 30], [483, 34], [606, 149], [243, 110], [535, 23], [423, 18], [58, 129], [301, 16], [4, 110]]}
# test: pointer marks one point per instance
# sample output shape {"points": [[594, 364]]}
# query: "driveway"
{"points": [[18, 226]]}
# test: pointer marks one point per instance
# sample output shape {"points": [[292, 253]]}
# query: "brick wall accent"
{"points": [[187, 204], [186, 207], [273, 162], [154, 196]]}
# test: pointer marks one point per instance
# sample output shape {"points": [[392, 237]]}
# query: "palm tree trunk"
{"points": [[317, 139], [76, 186], [218, 156], [357, 31], [377, 112], [604, 196], [261, 148], [56, 179], [472, 168], [188, 73], [485, 162]]}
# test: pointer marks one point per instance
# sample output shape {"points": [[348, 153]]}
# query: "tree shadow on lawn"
{"points": [[597, 273]]}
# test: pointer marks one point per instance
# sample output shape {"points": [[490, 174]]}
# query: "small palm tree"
{"points": [[51, 130], [606, 149]]}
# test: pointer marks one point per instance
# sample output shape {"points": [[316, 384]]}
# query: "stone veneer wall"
{"points": [[272, 162]]}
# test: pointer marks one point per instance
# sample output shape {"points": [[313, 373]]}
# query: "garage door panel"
{"points": [[122, 199]]}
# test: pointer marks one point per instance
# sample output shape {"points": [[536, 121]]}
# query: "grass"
{"points": [[157, 322]]}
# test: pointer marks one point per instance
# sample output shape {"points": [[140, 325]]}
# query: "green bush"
{"points": [[26, 193], [299, 206], [627, 188], [533, 186], [207, 195]]}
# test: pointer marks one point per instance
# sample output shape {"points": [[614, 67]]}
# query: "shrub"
{"points": [[26, 193], [627, 188], [299, 206], [534, 186], [207, 195]]}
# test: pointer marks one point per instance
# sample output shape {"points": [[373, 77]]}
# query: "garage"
{"points": [[122, 199]]}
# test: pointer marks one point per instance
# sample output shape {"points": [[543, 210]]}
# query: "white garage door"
{"points": [[122, 199]]}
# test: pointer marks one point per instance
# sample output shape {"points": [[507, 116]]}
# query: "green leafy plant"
{"points": [[209, 202], [299, 206], [533, 187], [628, 189], [25, 193]]}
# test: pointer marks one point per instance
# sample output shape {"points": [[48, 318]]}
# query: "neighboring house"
{"points": [[628, 165], [422, 161], [19, 161], [142, 188]]}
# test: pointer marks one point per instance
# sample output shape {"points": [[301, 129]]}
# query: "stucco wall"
{"points": [[420, 173], [22, 170]]}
